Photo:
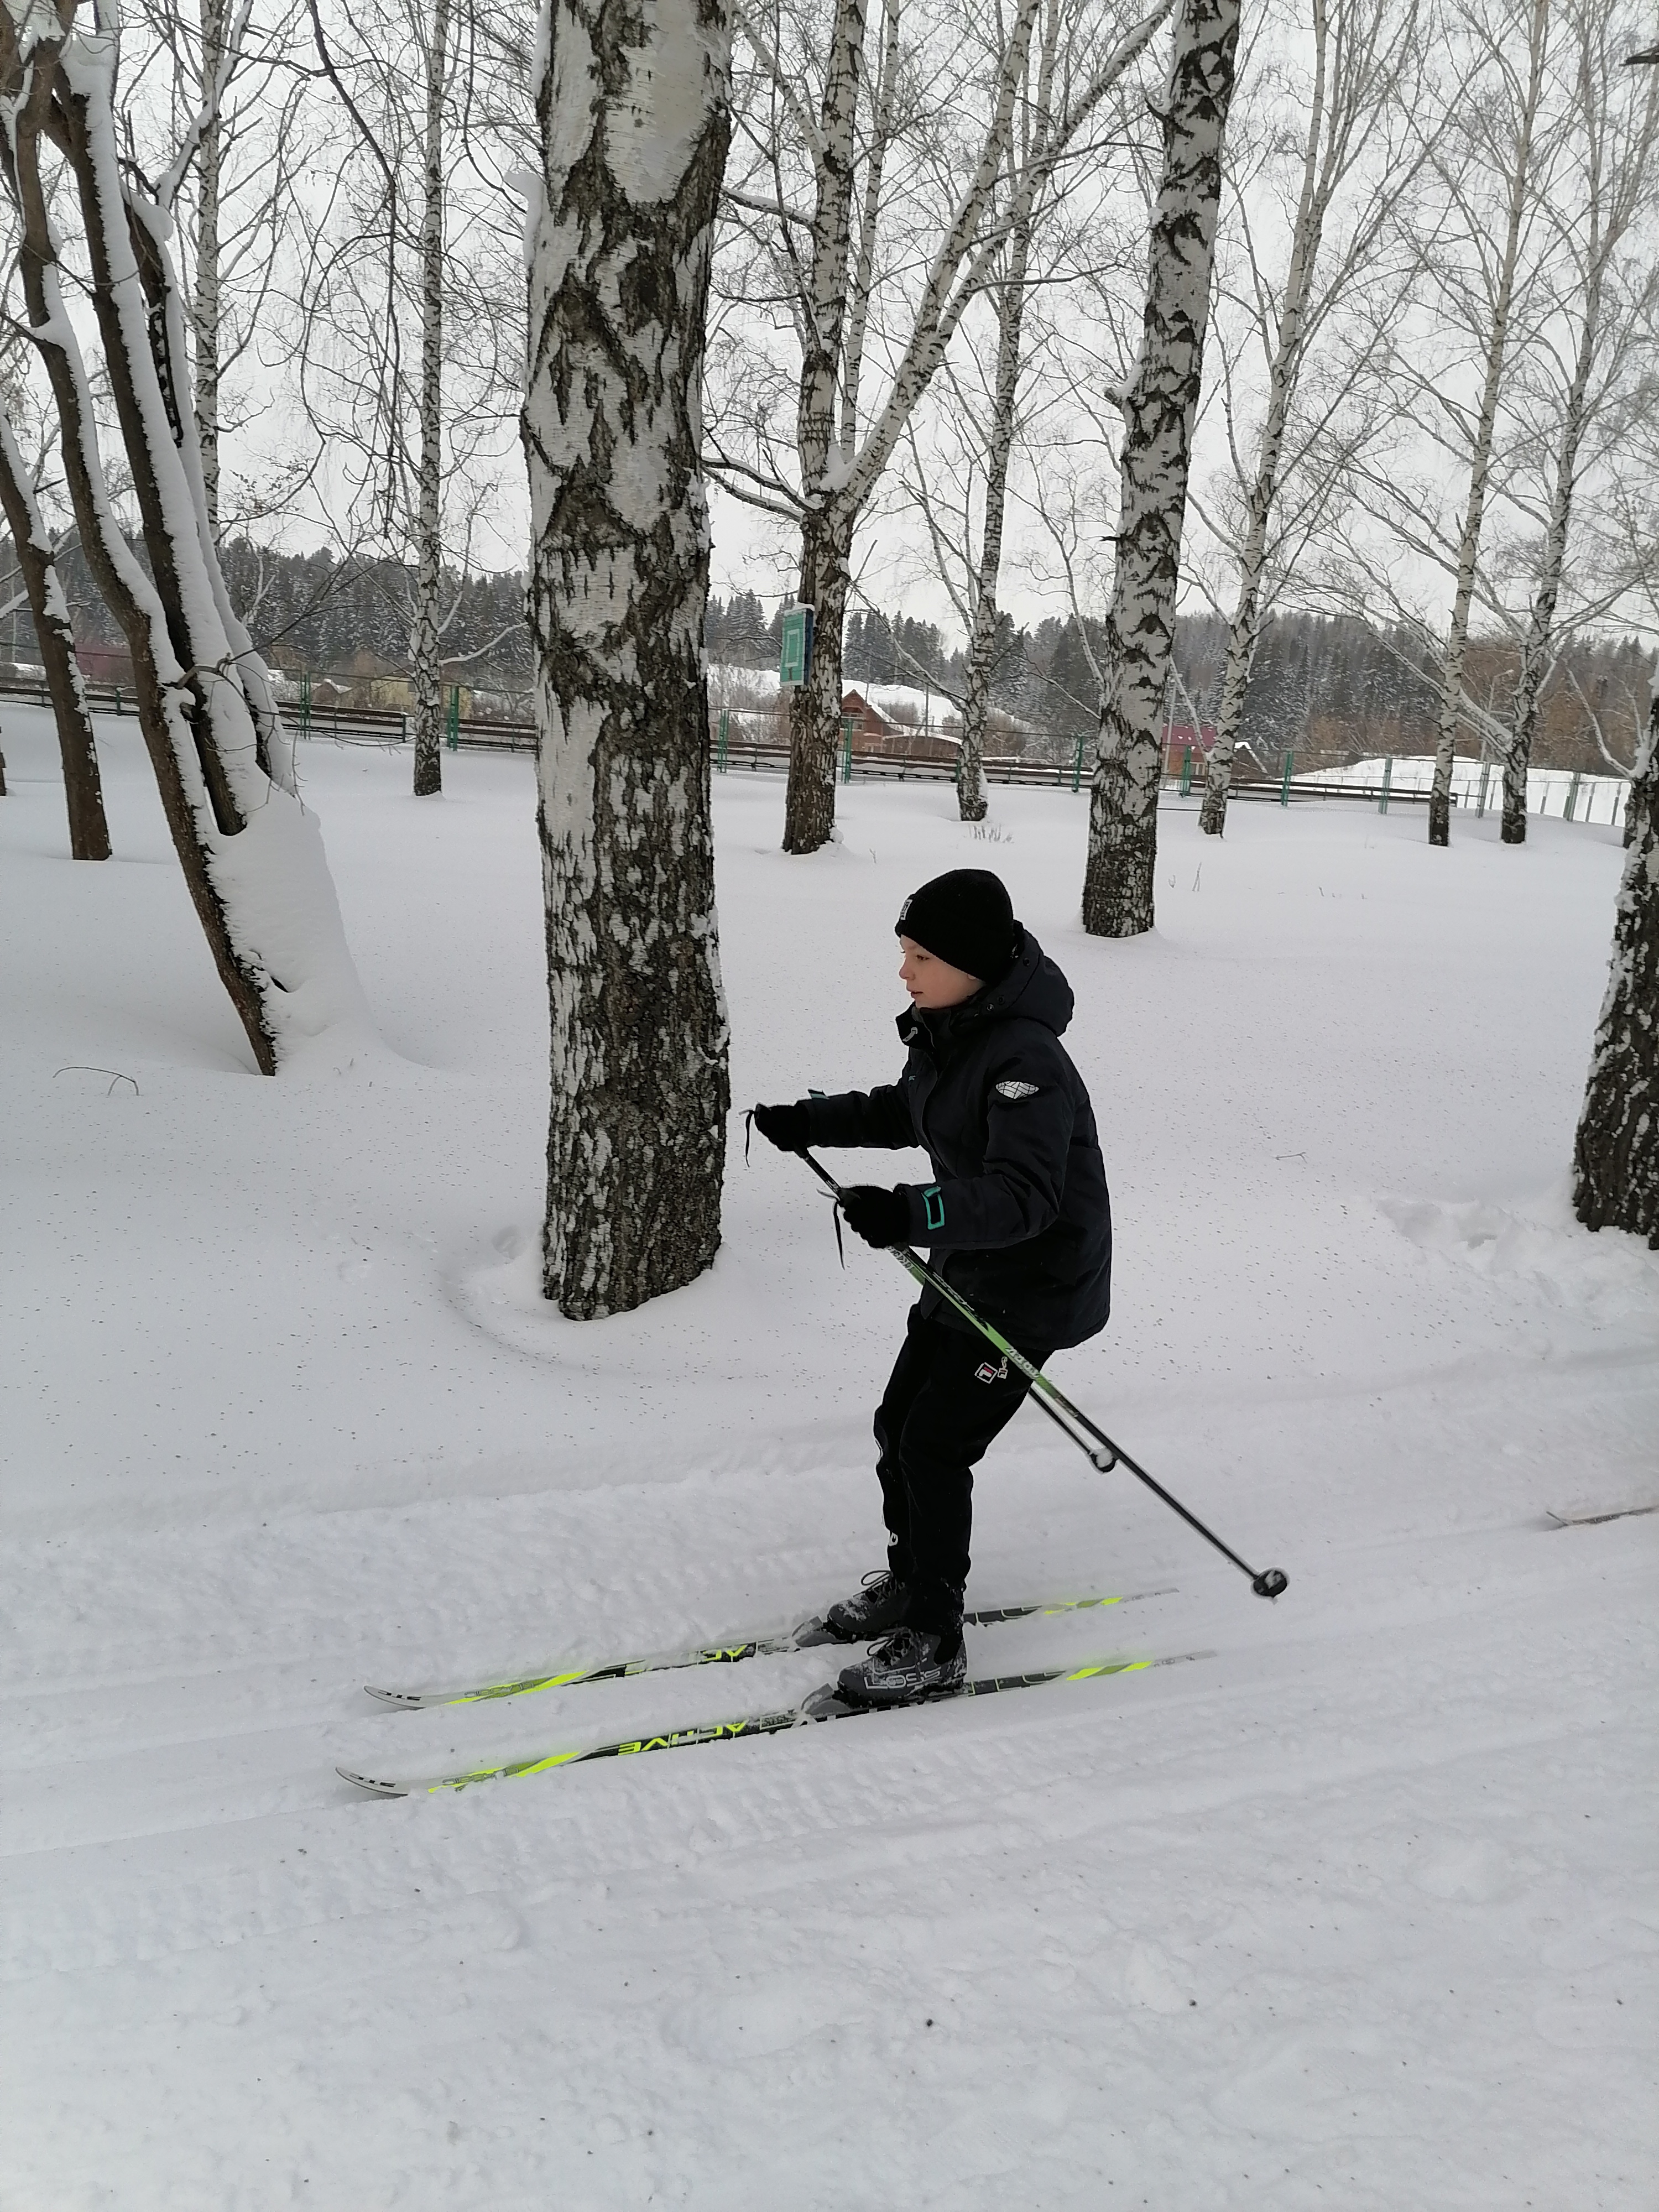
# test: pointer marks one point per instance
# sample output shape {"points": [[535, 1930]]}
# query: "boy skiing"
{"points": [[1019, 1222]]}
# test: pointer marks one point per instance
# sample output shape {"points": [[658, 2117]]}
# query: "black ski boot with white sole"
{"points": [[912, 1665], [877, 1608]]}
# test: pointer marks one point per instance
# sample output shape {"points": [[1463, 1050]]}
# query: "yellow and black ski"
{"points": [[803, 1637], [824, 1704]]}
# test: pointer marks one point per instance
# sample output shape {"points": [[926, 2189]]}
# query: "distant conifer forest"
{"points": [[1326, 687]]}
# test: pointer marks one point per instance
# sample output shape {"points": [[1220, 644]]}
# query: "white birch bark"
{"points": [[1159, 406], [83, 791], [251, 857], [1540, 619], [1615, 1160], [633, 107], [1364, 146], [869, 210], [151, 224], [839, 470], [1283, 372], [971, 803], [967, 551], [205, 305], [1519, 191], [826, 539], [425, 668], [1617, 155], [1009, 298]]}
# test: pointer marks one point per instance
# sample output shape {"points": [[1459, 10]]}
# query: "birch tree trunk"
{"points": [[426, 670], [1540, 620], [251, 857], [837, 475], [633, 107], [809, 806], [1519, 187], [1159, 407], [1615, 1160], [205, 305], [1010, 300], [1615, 142], [1282, 377], [83, 790], [982, 645], [1615, 1155]]}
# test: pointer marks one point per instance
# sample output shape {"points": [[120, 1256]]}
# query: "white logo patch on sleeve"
{"points": [[1017, 1089]]}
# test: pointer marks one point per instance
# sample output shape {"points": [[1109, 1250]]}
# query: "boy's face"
{"points": [[931, 982]]}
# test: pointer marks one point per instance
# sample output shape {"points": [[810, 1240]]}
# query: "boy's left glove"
{"points": [[788, 1127], [880, 1217]]}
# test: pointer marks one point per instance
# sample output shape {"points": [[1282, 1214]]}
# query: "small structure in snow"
{"points": [[875, 731], [1177, 736]]}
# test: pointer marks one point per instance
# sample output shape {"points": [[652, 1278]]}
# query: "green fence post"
{"points": [[1572, 796], [118, 698], [723, 739], [453, 720], [1481, 801], [1387, 778], [1077, 762], [1186, 771], [304, 704], [1285, 781], [847, 749]]}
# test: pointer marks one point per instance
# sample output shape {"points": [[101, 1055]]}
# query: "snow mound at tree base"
{"points": [[1605, 1274]]}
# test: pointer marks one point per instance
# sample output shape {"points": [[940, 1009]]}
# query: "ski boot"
{"points": [[911, 1666], [872, 1611]]}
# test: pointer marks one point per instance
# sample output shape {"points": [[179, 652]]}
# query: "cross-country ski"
{"points": [[1588, 1517], [827, 1703], [806, 1635]]}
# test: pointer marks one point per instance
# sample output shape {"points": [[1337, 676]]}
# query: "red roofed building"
{"points": [[876, 733], [1177, 736]]}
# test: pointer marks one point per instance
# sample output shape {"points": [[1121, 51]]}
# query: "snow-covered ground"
{"points": [[1357, 1911], [1478, 787]]}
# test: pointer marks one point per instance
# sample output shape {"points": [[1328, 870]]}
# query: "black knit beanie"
{"points": [[966, 918]]}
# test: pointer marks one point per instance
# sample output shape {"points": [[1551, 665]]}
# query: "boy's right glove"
{"points": [[881, 1217], [785, 1126]]}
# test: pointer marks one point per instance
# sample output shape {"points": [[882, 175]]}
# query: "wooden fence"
{"points": [[365, 726], [735, 751]]}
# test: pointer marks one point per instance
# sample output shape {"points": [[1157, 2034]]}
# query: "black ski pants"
{"points": [[948, 1394]]}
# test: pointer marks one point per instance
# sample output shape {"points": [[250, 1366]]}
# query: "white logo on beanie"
{"points": [[1017, 1091]]}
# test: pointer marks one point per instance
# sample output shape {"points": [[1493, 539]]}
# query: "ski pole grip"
{"points": [[1274, 1583]]}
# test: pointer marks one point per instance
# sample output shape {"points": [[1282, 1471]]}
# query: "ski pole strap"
{"points": [[749, 1131], [1103, 1452]]}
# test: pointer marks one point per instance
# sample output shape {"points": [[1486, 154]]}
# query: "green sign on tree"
{"points": [[796, 656]]}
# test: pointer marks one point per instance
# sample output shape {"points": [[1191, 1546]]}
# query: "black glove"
{"points": [[785, 1126], [880, 1217]]}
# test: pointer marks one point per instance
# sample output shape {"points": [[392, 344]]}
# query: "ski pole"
{"points": [[1103, 1452]]}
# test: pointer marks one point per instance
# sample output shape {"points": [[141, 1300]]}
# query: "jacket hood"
{"points": [[1033, 990]]}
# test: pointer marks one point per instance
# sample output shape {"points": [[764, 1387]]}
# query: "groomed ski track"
{"points": [[823, 1705], [1357, 1915]]}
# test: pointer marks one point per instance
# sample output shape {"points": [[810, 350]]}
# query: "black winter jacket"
{"points": [[1017, 1215]]}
